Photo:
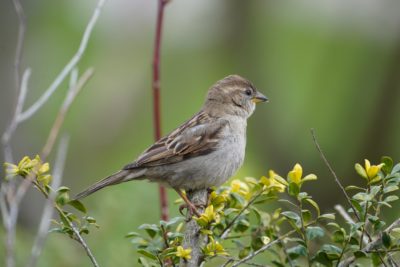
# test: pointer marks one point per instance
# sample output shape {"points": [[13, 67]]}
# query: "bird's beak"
{"points": [[259, 98]]}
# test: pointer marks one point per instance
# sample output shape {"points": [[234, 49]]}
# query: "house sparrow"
{"points": [[203, 152]]}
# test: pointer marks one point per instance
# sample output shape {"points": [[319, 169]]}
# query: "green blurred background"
{"points": [[330, 65]]}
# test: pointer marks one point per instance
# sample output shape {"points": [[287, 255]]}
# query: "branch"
{"points": [[18, 109], [20, 41], [333, 174], [156, 97], [81, 241], [48, 208], [67, 69], [193, 239], [71, 95], [262, 249], [8, 189], [372, 245], [227, 229]]}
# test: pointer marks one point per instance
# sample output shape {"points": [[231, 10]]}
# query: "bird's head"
{"points": [[234, 95]]}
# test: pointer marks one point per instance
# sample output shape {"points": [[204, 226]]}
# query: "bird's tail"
{"points": [[116, 178]]}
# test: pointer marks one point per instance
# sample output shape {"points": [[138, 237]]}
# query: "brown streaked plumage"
{"points": [[204, 151]]}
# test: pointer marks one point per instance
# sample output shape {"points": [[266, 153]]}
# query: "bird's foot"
{"points": [[192, 209]]}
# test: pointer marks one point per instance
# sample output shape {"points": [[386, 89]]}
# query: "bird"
{"points": [[203, 152]]}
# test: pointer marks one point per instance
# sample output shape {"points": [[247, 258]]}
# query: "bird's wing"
{"points": [[197, 136]]}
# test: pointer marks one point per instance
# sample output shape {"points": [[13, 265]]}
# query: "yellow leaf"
{"points": [[44, 168], [183, 253], [295, 174]]}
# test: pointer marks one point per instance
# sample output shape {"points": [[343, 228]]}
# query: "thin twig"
{"points": [[371, 247], [49, 208], [333, 174], [262, 249], [8, 188], [20, 41], [67, 69], [227, 229], [84, 245], [156, 96], [71, 95], [18, 109]]}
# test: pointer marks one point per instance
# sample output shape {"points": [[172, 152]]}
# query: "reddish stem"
{"points": [[156, 97]]}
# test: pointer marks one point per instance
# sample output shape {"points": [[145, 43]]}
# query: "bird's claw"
{"points": [[192, 209]]}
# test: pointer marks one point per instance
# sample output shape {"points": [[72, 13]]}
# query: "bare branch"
{"points": [[18, 108], [67, 69], [372, 245], [333, 174], [48, 209], [71, 95], [262, 249], [84, 245], [156, 96], [20, 41]]}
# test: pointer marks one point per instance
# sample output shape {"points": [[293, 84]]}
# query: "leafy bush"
{"points": [[239, 227]]}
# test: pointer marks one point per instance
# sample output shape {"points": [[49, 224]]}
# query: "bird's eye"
{"points": [[248, 92]]}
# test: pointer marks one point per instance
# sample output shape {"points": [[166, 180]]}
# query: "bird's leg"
{"points": [[209, 191], [192, 208]]}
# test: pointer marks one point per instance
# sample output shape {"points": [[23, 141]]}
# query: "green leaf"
{"points": [[315, 205], [361, 171], [396, 169], [293, 189], [62, 198], [391, 198], [378, 225], [376, 259], [143, 262], [306, 216], [239, 199], [77, 205], [328, 216], [333, 224], [322, 257], [390, 188], [63, 189], [353, 187], [333, 252], [297, 251], [375, 190], [363, 196], [313, 232], [294, 217], [354, 227], [357, 206], [338, 236], [360, 254], [139, 241], [242, 225], [387, 168], [90, 219], [132, 234], [310, 177], [386, 240], [171, 222], [244, 252], [151, 229], [265, 199], [147, 254], [263, 218]]}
